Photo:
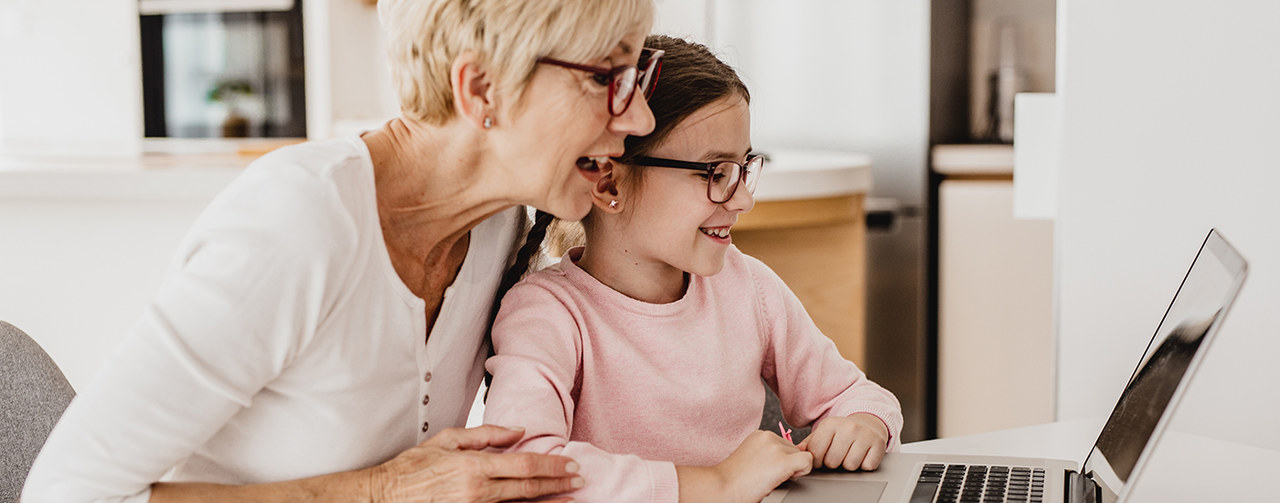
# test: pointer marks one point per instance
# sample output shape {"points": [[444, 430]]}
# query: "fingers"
{"points": [[875, 454], [525, 489], [838, 448], [818, 443], [528, 465], [802, 464], [478, 438], [855, 455]]}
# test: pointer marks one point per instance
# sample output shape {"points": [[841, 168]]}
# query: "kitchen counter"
{"points": [[805, 174], [182, 169], [166, 170]]}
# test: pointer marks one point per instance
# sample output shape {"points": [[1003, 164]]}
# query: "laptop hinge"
{"points": [[1081, 488]]}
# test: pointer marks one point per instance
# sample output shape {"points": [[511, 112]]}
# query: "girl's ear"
{"points": [[473, 97], [605, 193]]}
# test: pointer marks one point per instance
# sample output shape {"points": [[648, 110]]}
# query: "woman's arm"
{"points": [[447, 467]]}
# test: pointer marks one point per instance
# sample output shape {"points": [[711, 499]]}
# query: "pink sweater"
{"points": [[631, 389]]}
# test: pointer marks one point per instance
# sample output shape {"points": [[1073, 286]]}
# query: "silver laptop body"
{"points": [[1122, 448]]}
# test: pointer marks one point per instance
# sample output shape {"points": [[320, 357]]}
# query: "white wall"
{"points": [[77, 273], [1170, 121], [836, 74], [70, 76], [348, 81]]}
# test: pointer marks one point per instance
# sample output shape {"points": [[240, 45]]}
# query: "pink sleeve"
{"points": [[537, 342], [803, 366]]}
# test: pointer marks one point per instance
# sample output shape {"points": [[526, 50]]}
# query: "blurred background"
{"points": [[985, 203]]}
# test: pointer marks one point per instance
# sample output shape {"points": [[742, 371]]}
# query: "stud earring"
{"points": [[613, 203], [488, 122]]}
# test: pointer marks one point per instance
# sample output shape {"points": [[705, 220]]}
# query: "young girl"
{"points": [[642, 355]]}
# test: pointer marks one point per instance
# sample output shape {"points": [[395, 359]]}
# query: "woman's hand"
{"points": [[451, 466], [854, 442], [760, 463]]}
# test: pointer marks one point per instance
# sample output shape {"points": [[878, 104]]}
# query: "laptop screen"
{"points": [[1189, 323]]}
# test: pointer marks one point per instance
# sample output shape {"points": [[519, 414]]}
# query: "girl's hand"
{"points": [[854, 442], [760, 463], [451, 466]]}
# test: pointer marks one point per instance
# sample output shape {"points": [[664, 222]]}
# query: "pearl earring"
{"points": [[613, 203], [488, 122]]}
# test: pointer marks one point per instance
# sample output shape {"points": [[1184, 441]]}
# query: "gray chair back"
{"points": [[33, 395]]}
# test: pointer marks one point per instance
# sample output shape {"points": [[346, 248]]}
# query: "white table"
{"points": [[1184, 467]]}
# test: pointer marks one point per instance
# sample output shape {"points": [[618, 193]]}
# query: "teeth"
{"points": [[722, 232], [592, 163]]}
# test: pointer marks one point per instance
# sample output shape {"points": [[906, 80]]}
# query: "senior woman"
{"points": [[321, 333]]}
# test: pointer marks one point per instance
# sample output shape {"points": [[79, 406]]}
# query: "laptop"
{"points": [[1122, 448]]}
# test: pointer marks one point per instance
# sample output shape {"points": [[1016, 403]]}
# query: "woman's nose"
{"points": [[637, 120]]}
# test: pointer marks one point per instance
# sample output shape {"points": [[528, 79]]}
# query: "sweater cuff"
{"points": [[888, 445], [666, 485]]}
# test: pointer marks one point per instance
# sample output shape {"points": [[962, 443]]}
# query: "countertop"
{"points": [[165, 170], [198, 169], [973, 159], [791, 174]]}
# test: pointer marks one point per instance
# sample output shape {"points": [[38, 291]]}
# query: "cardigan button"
{"points": [[425, 399], [424, 427], [426, 377]]}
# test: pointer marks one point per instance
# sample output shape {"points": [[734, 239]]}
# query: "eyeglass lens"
{"points": [[624, 84], [725, 177]]}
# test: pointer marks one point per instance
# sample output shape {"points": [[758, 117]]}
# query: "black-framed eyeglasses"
{"points": [[622, 80], [723, 177]]}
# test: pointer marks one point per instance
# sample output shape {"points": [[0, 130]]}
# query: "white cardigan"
{"points": [[282, 344]]}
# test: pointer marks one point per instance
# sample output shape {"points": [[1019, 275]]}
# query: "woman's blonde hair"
{"points": [[507, 36]]}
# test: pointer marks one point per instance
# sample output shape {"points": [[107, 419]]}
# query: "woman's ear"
{"points": [[605, 193], [473, 91]]}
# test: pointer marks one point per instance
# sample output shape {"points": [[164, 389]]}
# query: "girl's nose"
{"points": [[742, 201]]}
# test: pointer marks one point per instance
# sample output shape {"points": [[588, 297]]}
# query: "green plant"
{"points": [[226, 90]]}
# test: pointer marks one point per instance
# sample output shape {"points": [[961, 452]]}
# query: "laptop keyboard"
{"points": [[957, 483]]}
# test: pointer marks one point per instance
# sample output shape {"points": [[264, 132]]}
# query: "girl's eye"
{"points": [[601, 79], [716, 177]]}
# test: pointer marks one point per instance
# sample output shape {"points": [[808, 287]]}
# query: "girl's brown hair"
{"points": [[691, 78]]}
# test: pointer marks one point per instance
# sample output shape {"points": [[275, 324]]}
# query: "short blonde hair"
{"points": [[507, 36]]}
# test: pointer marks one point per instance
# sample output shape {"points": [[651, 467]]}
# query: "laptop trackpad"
{"points": [[811, 490]]}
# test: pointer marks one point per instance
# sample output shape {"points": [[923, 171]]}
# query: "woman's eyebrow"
{"points": [[626, 48]]}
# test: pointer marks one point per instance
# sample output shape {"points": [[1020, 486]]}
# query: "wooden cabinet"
{"points": [[818, 247]]}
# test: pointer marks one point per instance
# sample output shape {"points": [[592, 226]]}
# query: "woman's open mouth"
{"points": [[590, 167]]}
